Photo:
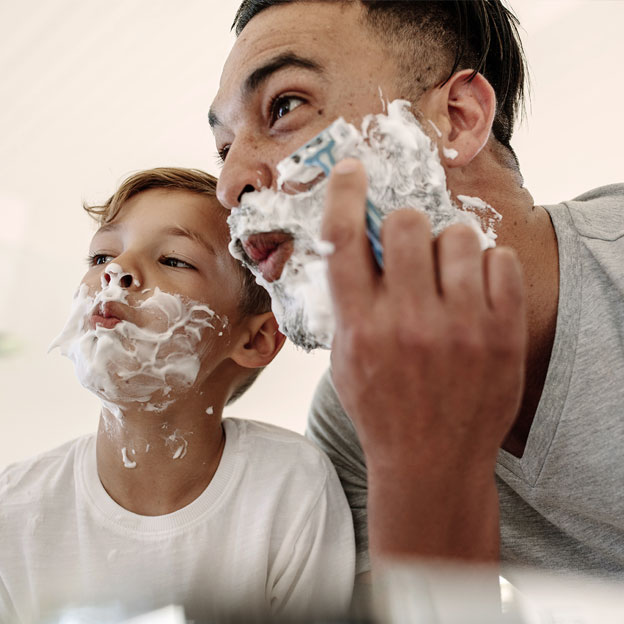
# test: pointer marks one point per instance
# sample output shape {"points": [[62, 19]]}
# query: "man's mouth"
{"points": [[106, 315], [269, 251]]}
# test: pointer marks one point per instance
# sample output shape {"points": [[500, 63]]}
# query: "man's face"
{"points": [[294, 70]]}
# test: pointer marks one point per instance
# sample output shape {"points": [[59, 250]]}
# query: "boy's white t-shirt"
{"points": [[271, 534]]}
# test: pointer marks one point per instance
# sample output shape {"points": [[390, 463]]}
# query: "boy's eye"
{"points": [[284, 104], [176, 263], [96, 259]]}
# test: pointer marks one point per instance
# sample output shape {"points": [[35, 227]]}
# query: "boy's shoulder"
{"points": [[41, 478], [289, 483], [273, 446]]}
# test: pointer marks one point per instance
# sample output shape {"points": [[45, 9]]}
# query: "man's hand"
{"points": [[428, 361]]}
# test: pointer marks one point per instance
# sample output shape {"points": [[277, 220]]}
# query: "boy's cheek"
{"points": [[92, 280]]}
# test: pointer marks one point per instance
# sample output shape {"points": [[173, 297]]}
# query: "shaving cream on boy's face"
{"points": [[277, 233], [140, 331], [133, 346]]}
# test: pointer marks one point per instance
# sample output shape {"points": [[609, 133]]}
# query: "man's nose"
{"points": [[244, 171]]}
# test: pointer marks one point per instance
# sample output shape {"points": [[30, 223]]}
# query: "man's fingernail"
{"points": [[348, 165]]}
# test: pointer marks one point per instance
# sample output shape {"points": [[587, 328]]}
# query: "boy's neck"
{"points": [[154, 463]]}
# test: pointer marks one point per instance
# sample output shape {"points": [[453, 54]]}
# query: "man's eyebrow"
{"points": [[213, 120], [261, 74], [287, 59]]}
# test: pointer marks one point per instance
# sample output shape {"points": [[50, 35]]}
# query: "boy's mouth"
{"points": [[106, 315], [269, 252]]}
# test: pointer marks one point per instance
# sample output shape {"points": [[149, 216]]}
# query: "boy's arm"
{"points": [[317, 567]]}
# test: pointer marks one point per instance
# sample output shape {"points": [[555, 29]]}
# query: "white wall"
{"points": [[92, 90]]}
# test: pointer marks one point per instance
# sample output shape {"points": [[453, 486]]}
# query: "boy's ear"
{"points": [[260, 343], [463, 111]]}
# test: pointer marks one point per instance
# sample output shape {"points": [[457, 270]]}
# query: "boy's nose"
{"points": [[124, 280], [116, 275]]}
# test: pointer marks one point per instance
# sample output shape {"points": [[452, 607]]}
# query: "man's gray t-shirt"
{"points": [[562, 503]]}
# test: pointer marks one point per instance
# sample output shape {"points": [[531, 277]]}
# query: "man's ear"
{"points": [[259, 343], [462, 111]]}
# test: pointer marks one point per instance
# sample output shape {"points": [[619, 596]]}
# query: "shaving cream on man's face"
{"points": [[404, 171]]}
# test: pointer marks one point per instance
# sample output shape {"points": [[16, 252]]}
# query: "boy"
{"points": [[167, 503]]}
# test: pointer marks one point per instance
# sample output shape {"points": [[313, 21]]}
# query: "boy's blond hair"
{"points": [[254, 299]]}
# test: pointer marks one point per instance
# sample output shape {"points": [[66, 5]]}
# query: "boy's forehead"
{"points": [[175, 212]]}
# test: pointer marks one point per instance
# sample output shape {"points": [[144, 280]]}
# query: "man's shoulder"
{"points": [[609, 192], [32, 481], [329, 426], [599, 213], [326, 405]]}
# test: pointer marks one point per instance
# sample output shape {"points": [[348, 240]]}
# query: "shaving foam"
{"points": [[127, 462], [132, 364], [177, 443], [404, 171]]}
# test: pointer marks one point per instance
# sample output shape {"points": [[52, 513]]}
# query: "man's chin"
{"points": [[296, 330], [304, 339], [302, 306]]}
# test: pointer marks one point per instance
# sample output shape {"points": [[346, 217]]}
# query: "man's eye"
{"points": [[96, 259], [284, 104], [222, 153], [176, 263]]}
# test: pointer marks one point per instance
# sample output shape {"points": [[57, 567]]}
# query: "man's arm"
{"points": [[427, 355], [332, 431]]}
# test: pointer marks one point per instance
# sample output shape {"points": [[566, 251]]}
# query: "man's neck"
{"points": [[154, 463], [540, 259], [527, 229]]}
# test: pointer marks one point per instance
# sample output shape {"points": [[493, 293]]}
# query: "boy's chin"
{"points": [[132, 389]]}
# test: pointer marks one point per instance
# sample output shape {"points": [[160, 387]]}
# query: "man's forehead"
{"points": [[310, 30]]}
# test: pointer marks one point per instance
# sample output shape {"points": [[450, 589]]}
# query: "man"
{"points": [[449, 355]]}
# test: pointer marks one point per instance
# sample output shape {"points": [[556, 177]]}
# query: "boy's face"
{"points": [[172, 240], [156, 311]]}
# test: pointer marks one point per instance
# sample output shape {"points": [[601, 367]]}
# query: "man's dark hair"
{"points": [[445, 36]]}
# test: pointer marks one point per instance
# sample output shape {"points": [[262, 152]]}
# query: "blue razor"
{"points": [[320, 153]]}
